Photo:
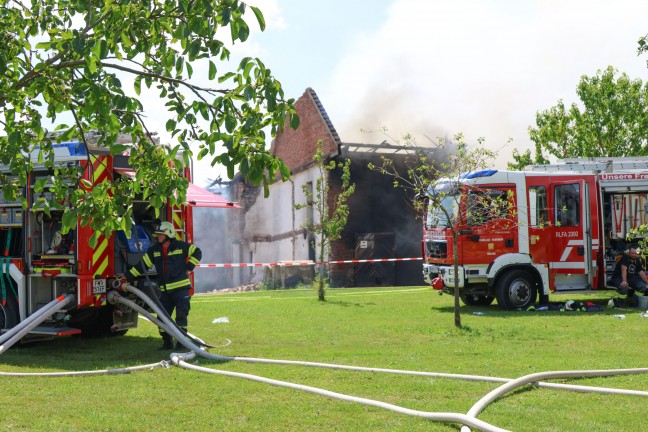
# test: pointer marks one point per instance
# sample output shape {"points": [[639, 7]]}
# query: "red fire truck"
{"points": [[561, 231], [39, 264]]}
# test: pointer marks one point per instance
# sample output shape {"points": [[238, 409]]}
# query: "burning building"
{"points": [[382, 222]]}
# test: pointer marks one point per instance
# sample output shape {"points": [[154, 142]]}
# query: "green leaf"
{"points": [[225, 77], [14, 138], [294, 121], [244, 31], [284, 170], [94, 238], [230, 123], [259, 17], [137, 84], [69, 221], [91, 61], [212, 70]]}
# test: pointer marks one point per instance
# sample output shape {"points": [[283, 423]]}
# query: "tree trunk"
{"points": [[457, 305], [320, 288]]}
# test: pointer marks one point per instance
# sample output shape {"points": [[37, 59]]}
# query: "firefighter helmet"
{"points": [[167, 229]]}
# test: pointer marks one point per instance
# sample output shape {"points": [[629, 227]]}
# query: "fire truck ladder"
{"points": [[594, 165]]}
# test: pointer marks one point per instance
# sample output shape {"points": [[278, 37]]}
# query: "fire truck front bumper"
{"points": [[443, 277], [430, 271]]}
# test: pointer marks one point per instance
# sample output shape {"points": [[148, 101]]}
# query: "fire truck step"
{"points": [[582, 291], [52, 331]]}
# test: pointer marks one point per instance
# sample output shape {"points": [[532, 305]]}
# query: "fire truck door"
{"points": [[490, 230], [571, 262]]}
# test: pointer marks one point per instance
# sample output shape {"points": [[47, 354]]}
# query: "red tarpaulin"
{"points": [[199, 197], [196, 196]]}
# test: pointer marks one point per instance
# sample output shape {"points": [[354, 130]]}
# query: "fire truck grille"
{"points": [[436, 249]]}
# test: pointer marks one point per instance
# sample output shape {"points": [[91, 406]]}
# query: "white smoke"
{"points": [[483, 68]]}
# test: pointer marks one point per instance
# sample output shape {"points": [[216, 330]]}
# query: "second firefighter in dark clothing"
{"points": [[173, 260]]}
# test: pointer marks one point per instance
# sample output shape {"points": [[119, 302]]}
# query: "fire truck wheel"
{"points": [[95, 322], [3, 318], [476, 300], [516, 289]]}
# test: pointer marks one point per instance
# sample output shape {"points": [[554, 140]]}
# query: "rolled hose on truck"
{"points": [[468, 420]]}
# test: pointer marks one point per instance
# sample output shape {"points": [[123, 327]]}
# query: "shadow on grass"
{"points": [[496, 312], [348, 304], [76, 353]]}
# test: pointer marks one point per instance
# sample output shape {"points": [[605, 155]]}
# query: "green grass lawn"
{"points": [[400, 328]]}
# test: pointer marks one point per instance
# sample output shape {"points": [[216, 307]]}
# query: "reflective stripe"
{"points": [[147, 261], [193, 260], [135, 272], [175, 252], [178, 284]]}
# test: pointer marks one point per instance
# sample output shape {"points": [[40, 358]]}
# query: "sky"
{"points": [[435, 68]]}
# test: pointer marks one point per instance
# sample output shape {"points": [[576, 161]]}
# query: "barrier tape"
{"points": [[300, 263]]}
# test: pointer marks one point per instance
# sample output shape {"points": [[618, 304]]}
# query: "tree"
{"points": [[613, 121], [643, 46], [439, 184], [525, 159], [331, 213], [65, 61]]}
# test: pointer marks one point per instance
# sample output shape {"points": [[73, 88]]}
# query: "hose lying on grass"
{"points": [[163, 321], [468, 420]]}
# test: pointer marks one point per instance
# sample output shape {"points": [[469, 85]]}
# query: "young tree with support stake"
{"points": [[64, 61], [331, 213], [439, 187]]}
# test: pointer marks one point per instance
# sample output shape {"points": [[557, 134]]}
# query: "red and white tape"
{"points": [[301, 263]]}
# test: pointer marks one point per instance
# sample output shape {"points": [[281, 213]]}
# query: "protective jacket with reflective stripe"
{"points": [[180, 258]]}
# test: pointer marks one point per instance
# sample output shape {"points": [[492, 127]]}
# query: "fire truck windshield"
{"points": [[445, 208]]}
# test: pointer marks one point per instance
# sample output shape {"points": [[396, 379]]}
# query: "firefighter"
{"points": [[174, 260], [629, 276]]}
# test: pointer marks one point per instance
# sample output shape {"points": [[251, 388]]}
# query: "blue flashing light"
{"points": [[75, 148], [477, 174]]}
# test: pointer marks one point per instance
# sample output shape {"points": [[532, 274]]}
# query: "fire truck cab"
{"points": [[519, 234], [39, 263]]}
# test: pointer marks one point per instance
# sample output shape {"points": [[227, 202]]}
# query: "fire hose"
{"points": [[16, 333], [468, 420], [166, 323]]}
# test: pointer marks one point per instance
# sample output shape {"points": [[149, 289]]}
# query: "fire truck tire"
{"points": [[516, 289], [8, 316], [476, 300], [96, 323]]}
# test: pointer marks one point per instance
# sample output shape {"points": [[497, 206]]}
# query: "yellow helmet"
{"points": [[167, 229]]}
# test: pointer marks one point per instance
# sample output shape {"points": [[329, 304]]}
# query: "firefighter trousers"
{"points": [[177, 300]]}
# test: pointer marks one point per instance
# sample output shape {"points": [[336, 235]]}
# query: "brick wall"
{"points": [[297, 147]]}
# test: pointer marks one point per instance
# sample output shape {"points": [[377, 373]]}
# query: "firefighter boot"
{"points": [[178, 345], [167, 342]]}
